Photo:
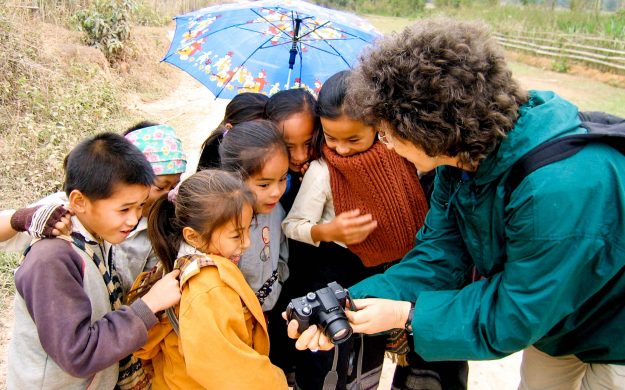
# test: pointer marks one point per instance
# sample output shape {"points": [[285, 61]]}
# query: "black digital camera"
{"points": [[324, 307]]}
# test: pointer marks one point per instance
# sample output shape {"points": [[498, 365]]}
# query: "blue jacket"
{"points": [[553, 257]]}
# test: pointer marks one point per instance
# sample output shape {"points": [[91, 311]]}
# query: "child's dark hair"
{"points": [[101, 162], [331, 99], [205, 201], [244, 107], [140, 125], [247, 146], [283, 104]]}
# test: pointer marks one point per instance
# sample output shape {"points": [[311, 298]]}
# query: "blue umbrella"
{"points": [[267, 46]]}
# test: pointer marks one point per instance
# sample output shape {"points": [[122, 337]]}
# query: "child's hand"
{"points": [[43, 221], [312, 338], [351, 227], [164, 294], [303, 170]]}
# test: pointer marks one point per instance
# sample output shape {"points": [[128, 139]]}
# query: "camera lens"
{"points": [[338, 329]]}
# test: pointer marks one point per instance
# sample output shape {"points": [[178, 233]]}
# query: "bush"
{"points": [[107, 26]]}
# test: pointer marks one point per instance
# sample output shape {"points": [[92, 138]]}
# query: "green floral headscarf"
{"points": [[161, 147]]}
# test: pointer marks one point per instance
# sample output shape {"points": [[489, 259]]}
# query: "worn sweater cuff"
{"points": [[143, 311]]}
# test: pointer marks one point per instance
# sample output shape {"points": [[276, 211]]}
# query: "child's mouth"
{"points": [[235, 259]]}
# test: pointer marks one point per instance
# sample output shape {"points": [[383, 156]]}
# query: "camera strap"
{"points": [[332, 377]]}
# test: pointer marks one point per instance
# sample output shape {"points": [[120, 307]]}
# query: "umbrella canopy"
{"points": [[267, 46]]}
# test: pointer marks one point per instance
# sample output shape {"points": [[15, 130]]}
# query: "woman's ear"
{"points": [[77, 202], [192, 237]]}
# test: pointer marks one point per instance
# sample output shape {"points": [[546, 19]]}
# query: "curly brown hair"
{"points": [[441, 84]]}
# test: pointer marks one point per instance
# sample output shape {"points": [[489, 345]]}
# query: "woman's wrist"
{"points": [[405, 308]]}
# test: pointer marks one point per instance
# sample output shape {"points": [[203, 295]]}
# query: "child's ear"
{"points": [[77, 201], [192, 237]]}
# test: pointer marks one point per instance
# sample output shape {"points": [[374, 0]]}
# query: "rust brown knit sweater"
{"points": [[384, 184]]}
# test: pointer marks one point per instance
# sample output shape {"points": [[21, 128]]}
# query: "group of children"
{"points": [[183, 285]]}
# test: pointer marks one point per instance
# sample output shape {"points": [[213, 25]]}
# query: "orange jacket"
{"points": [[223, 342]]}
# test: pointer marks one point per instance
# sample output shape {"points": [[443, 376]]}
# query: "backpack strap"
{"points": [[603, 128], [189, 266]]}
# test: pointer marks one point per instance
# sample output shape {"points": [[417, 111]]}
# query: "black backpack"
{"points": [[602, 127]]}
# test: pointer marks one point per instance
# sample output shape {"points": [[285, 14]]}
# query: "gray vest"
{"points": [[30, 367]]}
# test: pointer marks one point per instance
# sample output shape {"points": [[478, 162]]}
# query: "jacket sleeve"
{"points": [[155, 336], [548, 274], [61, 310], [283, 258], [309, 204], [215, 320], [438, 261], [20, 241]]}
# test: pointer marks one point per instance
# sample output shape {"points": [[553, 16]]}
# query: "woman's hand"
{"points": [[376, 315]]}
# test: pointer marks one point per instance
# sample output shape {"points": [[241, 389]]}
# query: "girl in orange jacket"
{"points": [[216, 338]]}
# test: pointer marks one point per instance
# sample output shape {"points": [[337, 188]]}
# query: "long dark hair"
{"points": [[242, 108], [245, 147], [205, 201], [283, 104]]}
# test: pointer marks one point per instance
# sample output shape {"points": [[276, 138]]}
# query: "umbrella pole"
{"points": [[288, 80], [293, 51]]}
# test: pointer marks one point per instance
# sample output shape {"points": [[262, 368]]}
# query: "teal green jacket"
{"points": [[553, 257]]}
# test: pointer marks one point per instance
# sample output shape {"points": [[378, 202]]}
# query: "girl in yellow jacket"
{"points": [[217, 337]]}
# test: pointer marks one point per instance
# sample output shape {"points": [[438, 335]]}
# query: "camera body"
{"points": [[324, 307]]}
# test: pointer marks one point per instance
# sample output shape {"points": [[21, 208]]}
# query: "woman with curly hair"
{"points": [[553, 264]]}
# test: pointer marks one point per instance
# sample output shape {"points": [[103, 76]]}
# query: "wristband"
{"points": [[408, 325]]}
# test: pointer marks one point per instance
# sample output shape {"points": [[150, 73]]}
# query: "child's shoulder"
{"points": [[205, 274], [50, 255], [317, 172], [319, 165]]}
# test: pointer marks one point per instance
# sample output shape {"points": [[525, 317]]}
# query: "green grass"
{"points": [[8, 264], [541, 19], [586, 93]]}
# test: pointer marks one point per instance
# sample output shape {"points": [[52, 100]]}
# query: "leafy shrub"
{"points": [[107, 25], [147, 15], [560, 65]]}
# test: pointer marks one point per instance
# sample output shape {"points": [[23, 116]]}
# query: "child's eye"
{"points": [[263, 185]]}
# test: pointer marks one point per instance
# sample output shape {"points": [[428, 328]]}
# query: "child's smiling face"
{"points": [[269, 184], [298, 133], [113, 218], [347, 136], [231, 240]]}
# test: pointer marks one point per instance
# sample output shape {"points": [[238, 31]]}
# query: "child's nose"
{"points": [[299, 155], [246, 243], [133, 218], [342, 149]]}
